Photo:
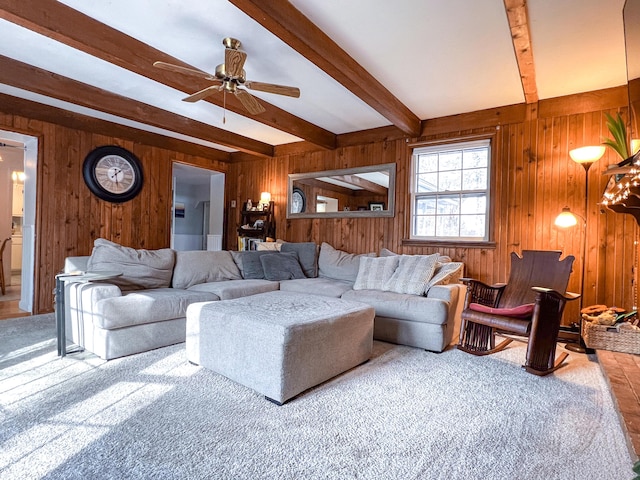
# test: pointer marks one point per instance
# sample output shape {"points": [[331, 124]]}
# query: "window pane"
{"points": [[425, 206], [450, 161], [448, 204], [427, 182], [475, 179], [448, 226], [450, 181], [472, 225], [425, 226], [475, 157], [427, 163], [473, 204]]}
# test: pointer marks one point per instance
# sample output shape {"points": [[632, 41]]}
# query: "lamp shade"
{"points": [[566, 219], [265, 197], [587, 154], [635, 146]]}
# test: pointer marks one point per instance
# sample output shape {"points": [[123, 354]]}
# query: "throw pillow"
{"points": [[339, 265], [141, 269], [201, 266], [413, 274], [374, 272], [385, 252], [446, 273], [249, 264], [281, 266], [521, 311], [307, 256]]}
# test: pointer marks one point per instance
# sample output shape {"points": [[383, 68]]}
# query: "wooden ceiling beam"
{"points": [[46, 113], [291, 26], [55, 20], [521, 37], [43, 82]]}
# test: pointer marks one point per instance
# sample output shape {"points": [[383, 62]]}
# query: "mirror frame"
{"points": [[391, 194]]}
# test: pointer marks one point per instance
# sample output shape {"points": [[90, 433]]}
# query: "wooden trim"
{"points": [[519, 26], [291, 26], [608, 98], [71, 27], [27, 77]]}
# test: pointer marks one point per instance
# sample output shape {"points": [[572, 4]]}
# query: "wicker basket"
{"points": [[603, 337]]}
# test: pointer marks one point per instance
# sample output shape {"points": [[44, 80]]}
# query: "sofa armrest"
{"points": [[455, 294], [75, 264], [444, 292], [80, 306]]}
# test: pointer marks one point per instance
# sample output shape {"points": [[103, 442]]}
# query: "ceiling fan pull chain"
{"points": [[224, 107]]}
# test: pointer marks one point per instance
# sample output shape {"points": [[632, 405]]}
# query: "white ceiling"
{"points": [[438, 57]]}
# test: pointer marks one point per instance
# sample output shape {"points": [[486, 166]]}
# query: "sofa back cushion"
{"points": [[141, 269], [339, 265], [248, 263], [307, 256], [374, 272], [201, 266]]}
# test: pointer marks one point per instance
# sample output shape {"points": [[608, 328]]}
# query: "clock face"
{"points": [[113, 173], [298, 201]]}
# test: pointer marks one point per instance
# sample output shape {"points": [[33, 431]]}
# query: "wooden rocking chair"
{"points": [[529, 305]]}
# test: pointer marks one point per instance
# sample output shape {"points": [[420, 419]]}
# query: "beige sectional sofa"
{"points": [[417, 299]]}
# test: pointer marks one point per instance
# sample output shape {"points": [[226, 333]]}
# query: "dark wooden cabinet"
{"points": [[255, 226]]}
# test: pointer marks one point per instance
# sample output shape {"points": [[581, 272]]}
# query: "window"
{"points": [[450, 192]]}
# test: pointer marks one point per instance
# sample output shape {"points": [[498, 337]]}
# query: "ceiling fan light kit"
{"points": [[229, 77]]}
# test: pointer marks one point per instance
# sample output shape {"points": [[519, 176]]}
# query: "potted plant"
{"points": [[618, 129]]}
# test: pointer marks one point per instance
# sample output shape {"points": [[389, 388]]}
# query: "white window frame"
{"points": [[442, 148]]}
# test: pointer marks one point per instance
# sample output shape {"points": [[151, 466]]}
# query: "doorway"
{"points": [[198, 208], [19, 155]]}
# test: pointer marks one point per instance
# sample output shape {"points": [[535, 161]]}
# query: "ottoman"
{"points": [[279, 343]]}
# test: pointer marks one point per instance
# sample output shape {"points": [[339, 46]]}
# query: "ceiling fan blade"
{"points": [[249, 102], [187, 71], [272, 88], [234, 62], [201, 94]]}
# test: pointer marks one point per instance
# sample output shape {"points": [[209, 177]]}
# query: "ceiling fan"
{"points": [[229, 77]]}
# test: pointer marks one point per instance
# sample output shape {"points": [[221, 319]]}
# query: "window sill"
{"points": [[447, 243]]}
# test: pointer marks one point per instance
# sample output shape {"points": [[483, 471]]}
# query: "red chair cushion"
{"points": [[521, 311]]}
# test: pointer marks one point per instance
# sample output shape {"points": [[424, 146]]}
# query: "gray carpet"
{"points": [[406, 414]]}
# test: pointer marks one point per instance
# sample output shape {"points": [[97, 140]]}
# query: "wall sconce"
{"points": [[265, 199]]}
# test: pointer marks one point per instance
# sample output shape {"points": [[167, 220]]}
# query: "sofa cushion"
{"points": [[403, 306], [413, 274], [236, 288], [446, 273], [339, 265], [307, 256], [200, 266], [375, 271], [327, 287], [141, 269], [150, 306], [281, 266]]}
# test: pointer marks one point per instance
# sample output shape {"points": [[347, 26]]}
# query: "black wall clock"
{"points": [[298, 201], [112, 173]]}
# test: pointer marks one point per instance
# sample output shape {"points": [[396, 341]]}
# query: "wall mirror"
{"points": [[351, 192]]}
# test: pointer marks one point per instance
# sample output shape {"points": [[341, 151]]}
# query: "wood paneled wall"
{"points": [[533, 178], [69, 218]]}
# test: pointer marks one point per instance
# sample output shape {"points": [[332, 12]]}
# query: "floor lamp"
{"points": [[585, 156]]}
